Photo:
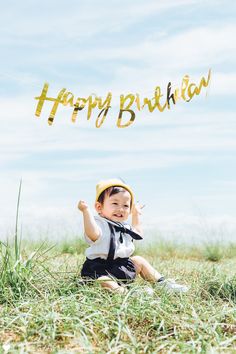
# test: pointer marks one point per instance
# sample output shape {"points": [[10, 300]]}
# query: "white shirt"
{"points": [[100, 247]]}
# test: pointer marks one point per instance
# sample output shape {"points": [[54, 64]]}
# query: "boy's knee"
{"points": [[138, 259]]}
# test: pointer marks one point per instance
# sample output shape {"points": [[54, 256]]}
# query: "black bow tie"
{"points": [[120, 227]]}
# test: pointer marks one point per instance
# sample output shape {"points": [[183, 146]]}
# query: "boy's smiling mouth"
{"points": [[118, 215]]}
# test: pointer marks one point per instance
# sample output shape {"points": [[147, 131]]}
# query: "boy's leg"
{"points": [[144, 268], [110, 284]]}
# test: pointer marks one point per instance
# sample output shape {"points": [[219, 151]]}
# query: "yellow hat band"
{"points": [[103, 185]]}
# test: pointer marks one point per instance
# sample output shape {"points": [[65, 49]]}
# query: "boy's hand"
{"points": [[90, 226], [137, 209], [136, 220], [82, 205]]}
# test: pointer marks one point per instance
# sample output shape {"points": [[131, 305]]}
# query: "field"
{"points": [[44, 308]]}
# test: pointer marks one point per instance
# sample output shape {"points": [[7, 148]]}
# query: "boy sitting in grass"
{"points": [[110, 237]]}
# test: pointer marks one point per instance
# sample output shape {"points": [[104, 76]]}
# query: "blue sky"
{"points": [[180, 163]]}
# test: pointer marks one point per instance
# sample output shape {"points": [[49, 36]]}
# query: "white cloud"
{"points": [[74, 20], [173, 138], [50, 157], [192, 229], [57, 223], [223, 84], [200, 47]]}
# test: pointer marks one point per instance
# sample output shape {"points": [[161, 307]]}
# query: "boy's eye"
{"points": [[126, 206], [114, 203]]}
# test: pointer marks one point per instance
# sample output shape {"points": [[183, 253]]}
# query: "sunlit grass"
{"points": [[45, 308]]}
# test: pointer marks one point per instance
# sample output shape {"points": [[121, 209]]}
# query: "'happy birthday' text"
{"points": [[186, 92]]}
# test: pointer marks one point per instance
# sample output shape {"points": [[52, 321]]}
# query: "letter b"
{"points": [[119, 125]]}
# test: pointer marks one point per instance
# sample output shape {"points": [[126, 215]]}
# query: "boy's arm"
{"points": [[90, 226], [136, 218]]}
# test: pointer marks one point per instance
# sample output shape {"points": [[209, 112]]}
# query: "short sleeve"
{"points": [[100, 225]]}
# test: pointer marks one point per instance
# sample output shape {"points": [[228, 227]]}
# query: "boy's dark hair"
{"points": [[110, 191]]}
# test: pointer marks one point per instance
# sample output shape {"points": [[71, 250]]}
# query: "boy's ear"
{"points": [[98, 207]]}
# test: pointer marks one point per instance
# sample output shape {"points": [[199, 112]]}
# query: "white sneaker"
{"points": [[172, 286]]}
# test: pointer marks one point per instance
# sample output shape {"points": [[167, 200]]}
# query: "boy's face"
{"points": [[115, 207]]}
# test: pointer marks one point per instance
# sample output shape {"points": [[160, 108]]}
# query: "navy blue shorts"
{"points": [[122, 269]]}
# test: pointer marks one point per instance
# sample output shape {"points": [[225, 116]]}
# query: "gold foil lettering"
{"points": [[132, 118], [186, 92]]}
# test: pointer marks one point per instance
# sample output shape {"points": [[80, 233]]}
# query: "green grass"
{"points": [[44, 309]]}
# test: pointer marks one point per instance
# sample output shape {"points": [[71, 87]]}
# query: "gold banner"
{"points": [[186, 92]]}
